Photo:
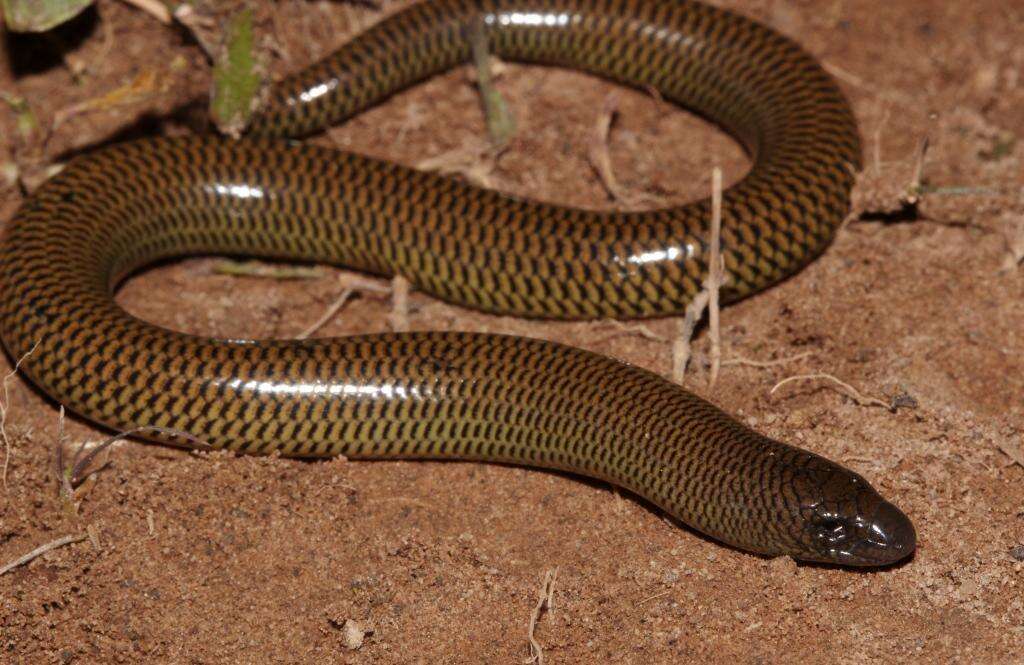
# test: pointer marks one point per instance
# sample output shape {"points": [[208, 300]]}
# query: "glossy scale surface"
{"points": [[452, 395]]}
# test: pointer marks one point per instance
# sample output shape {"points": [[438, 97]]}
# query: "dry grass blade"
{"points": [[544, 601], [5, 405], [860, 398], [72, 475], [42, 549], [329, 314]]}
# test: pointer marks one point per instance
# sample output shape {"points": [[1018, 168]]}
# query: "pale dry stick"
{"points": [[154, 8], [350, 288], [474, 160], [633, 329], [42, 549], [681, 344], [913, 195], [1014, 240], [858, 82], [328, 314], [878, 139], [714, 280], [708, 297], [861, 399], [657, 595], [269, 271], [4, 405], [598, 154], [767, 363], [403, 499], [619, 503], [545, 600], [399, 317]]}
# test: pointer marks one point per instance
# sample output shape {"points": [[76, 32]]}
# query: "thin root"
{"points": [[42, 549], [860, 398], [544, 601]]}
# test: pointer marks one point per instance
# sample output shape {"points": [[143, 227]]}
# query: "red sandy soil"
{"points": [[212, 558]]}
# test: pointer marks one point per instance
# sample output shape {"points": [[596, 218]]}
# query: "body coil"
{"points": [[455, 395]]}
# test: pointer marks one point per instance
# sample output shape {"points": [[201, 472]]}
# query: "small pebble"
{"points": [[353, 634]]}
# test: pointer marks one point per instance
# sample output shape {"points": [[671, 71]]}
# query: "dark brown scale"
{"points": [[464, 396]]}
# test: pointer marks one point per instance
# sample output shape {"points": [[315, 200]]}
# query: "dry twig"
{"points": [[269, 271], [598, 154], [708, 296], [714, 279], [5, 405], [1014, 239], [42, 549], [328, 314], [474, 161], [633, 329], [544, 601], [399, 317], [681, 344]]}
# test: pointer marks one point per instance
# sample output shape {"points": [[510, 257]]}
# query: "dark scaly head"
{"points": [[839, 518]]}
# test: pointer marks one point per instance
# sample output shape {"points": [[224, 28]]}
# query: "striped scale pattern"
{"points": [[449, 395]]}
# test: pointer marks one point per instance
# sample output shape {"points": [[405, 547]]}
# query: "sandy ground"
{"points": [[209, 558]]}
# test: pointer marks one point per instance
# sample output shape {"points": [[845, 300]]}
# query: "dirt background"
{"points": [[211, 558]]}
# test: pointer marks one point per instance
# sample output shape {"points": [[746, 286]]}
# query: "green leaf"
{"points": [[236, 78], [40, 15]]}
